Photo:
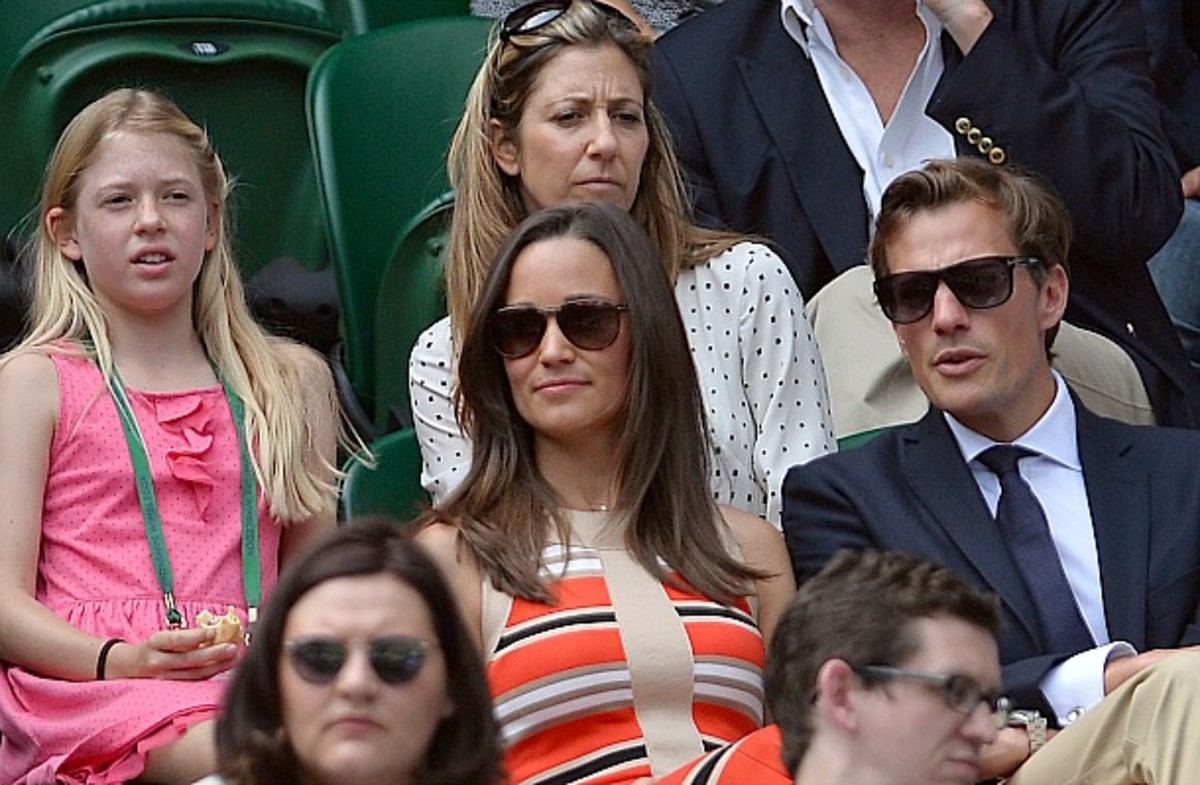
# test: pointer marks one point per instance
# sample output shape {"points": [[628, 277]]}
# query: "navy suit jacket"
{"points": [[1062, 86], [911, 490]]}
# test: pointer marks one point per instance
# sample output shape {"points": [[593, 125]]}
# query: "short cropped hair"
{"points": [[1036, 220], [861, 609]]}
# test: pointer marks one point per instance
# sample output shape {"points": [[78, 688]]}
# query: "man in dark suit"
{"points": [[786, 113], [969, 264]]}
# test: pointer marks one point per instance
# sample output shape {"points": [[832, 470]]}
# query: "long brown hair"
{"points": [[504, 505]]}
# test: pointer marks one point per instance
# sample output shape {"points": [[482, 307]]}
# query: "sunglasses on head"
{"points": [[530, 18], [980, 283], [396, 659], [958, 691], [587, 324]]}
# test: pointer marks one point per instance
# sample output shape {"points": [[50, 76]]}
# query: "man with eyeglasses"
{"points": [[1086, 528], [884, 669]]}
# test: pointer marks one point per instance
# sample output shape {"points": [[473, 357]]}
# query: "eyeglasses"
{"points": [[396, 659], [980, 283], [959, 692], [531, 17], [587, 324]]}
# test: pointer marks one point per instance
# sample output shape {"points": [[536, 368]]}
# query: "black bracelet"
{"points": [[102, 659]]}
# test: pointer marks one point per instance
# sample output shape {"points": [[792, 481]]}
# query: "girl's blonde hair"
{"points": [[488, 204], [266, 371]]}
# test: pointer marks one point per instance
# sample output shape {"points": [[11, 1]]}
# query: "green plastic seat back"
{"points": [[382, 108], [392, 487], [360, 16], [237, 67], [412, 296]]}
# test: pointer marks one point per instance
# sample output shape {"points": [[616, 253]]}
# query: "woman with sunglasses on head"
{"points": [[561, 112], [621, 612], [654, 16], [361, 672]]}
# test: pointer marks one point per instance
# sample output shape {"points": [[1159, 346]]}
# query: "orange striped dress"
{"points": [[623, 677]]}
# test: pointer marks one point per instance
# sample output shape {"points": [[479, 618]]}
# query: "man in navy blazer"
{"points": [[969, 264], [1058, 87]]}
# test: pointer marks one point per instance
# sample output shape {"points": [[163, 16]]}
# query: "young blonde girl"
{"points": [[160, 455]]}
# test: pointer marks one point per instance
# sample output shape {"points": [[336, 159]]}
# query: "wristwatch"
{"points": [[1034, 724]]}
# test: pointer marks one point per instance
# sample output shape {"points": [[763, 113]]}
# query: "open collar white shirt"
{"points": [[911, 137]]}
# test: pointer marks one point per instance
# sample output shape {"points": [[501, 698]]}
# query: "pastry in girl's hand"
{"points": [[228, 627]]}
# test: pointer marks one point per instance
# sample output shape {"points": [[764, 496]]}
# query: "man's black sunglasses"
{"points": [[985, 282]]}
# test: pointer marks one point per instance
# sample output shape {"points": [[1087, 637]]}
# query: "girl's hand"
{"points": [[185, 654]]}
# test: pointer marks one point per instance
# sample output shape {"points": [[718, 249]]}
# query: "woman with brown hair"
{"points": [[620, 610]]}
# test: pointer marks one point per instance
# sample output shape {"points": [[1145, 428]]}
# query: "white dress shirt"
{"points": [[1055, 474], [910, 137]]}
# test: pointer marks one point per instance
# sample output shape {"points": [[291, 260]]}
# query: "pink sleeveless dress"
{"points": [[95, 571]]}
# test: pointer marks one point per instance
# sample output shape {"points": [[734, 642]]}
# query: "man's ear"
{"points": [[1052, 297], [61, 226], [504, 149], [836, 686]]}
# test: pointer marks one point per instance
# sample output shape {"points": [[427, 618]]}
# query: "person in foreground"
{"points": [[160, 457], [583, 546], [561, 111], [884, 669], [1084, 527], [361, 672]]}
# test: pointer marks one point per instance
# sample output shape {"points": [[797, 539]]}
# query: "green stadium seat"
{"points": [[412, 296], [361, 16], [382, 107], [238, 67], [392, 487]]}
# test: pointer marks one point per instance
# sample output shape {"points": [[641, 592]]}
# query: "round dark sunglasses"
{"points": [[588, 324], [531, 17], [985, 282], [396, 659], [959, 692]]}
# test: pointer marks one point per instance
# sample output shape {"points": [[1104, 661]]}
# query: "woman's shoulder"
{"points": [[761, 543], [433, 345], [750, 264]]}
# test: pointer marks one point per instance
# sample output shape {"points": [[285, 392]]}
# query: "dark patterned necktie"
{"points": [[1025, 530]]}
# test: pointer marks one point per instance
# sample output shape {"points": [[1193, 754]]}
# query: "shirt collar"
{"points": [[1053, 436], [802, 18]]}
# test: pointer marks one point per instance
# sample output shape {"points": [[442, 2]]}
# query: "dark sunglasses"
{"points": [[980, 283], [530, 18], [396, 659], [959, 692], [587, 324]]}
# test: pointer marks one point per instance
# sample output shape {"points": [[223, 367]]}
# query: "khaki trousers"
{"points": [[1145, 731]]}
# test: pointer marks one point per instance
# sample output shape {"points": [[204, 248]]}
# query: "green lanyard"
{"points": [[251, 577]]}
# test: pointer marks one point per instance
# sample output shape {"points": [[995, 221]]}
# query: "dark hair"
{"points": [[1036, 220], [503, 506], [251, 744], [860, 608]]}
